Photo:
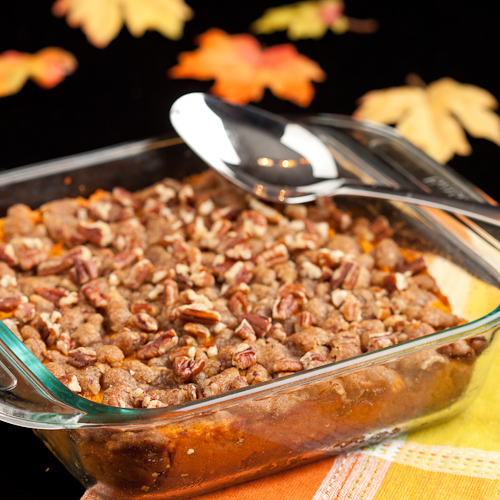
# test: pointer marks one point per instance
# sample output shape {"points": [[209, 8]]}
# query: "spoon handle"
{"points": [[474, 210]]}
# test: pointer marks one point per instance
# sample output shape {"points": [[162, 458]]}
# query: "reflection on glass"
{"points": [[258, 189]]}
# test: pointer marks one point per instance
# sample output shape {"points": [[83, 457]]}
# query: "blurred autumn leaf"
{"points": [[432, 117], [47, 68], [102, 20], [311, 19], [242, 70]]}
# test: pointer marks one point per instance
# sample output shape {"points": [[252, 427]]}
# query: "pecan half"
{"points": [[201, 332], [186, 368], [244, 357], [160, 345], [198, 313]]}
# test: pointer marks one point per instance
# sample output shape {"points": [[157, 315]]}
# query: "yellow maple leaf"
{"points": [[434, 117], [102, 20], [311, 19], [242, 70], [47, 68]]}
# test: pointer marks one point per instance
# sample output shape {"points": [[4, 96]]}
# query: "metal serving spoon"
{"points": [[282, 161]]}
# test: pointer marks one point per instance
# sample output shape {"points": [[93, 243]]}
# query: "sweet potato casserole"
{"points": [[188, 290], [184, 291]]}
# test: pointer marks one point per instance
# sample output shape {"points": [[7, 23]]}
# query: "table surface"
{"points": [[122, 93]]}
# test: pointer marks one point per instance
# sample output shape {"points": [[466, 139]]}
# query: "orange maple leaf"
{"points": [[47, 68], [242, 70]]}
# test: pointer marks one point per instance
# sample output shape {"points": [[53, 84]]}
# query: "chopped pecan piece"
{"points": [[145, 322], [81, 357], [171, 292], [395, 281], [285, 307], [83, 271], [381, 228], [94, 295], [49, 327], [303, 320], [346, 275], [286, 365], [245, 330], [254, 223], [125, 198], [138, 274], [260, 324], [201, 332], [238, 304], [25, 312], [97, 232], [54, 265], [10, 304], [238, 273], [313, 360], [8, 254], [268, 212], [29, 251], [275, 255]]}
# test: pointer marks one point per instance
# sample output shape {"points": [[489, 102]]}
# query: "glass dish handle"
{"points": [[24, 401]]}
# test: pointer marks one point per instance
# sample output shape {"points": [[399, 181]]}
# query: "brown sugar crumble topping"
{"points": [[188, 290]]}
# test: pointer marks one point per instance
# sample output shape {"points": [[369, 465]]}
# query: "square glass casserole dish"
{"points": [[187, 449]]}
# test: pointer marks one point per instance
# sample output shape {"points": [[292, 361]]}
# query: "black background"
{"points": [[121, 93]]}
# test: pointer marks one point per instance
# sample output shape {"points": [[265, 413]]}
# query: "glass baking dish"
{"points": [[188, 449]]}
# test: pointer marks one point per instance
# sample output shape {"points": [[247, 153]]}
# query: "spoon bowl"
{"points": [[281, 161]]}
